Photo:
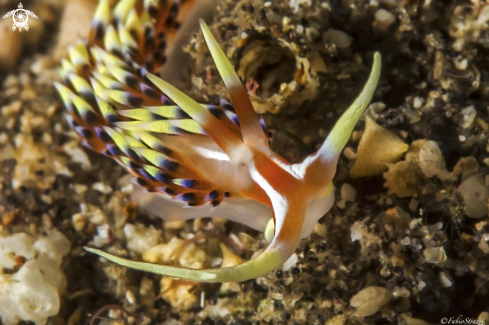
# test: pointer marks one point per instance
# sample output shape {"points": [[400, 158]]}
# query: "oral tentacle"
{"points": [[342, 130], [262, 264], [251, 129], [319, 169]]}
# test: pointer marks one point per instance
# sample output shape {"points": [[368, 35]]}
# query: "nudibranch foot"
{"points": [[212, 160]]}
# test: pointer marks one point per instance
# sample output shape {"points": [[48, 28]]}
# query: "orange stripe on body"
{"points": [[294, 192], [248, 119], [276, 176], [255, 192], [224, 138]]}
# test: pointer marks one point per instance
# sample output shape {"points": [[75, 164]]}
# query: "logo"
{"points": [[20, 17]]}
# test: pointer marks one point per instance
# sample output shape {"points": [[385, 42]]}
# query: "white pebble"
{"points": [[369, 300], [338, 38], [418, 102], [12, 109], [460, 63], [103, 231], [401, 292], [357, 230], [413, 204], [468, 116], [421, 285], [79, 156], [445, 280], [348, 192], [484, 246], [296, 5], [458, 45], [384, 19], [3, 138], [435, 255], [486, 162], [350, 153], [47, 138], [97, 217], [101, 187], [476, 195], [130, 297], [79, 221], [140, 238], [341, 204], [405, 241], [80, 188], [11, 81], [33, 292]]}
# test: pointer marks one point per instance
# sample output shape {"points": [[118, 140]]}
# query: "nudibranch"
{"points": [[196, 160]]}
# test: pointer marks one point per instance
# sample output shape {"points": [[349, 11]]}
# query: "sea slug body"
{"points": [[197, 159]]}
